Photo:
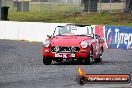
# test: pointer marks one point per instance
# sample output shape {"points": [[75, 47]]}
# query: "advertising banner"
{"points": [[118, 37], [115, 36]]}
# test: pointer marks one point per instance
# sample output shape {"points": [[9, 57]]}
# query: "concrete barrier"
{"points": [[31, 31], [37, 31]]}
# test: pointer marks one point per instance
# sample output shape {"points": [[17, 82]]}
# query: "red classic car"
{"points": [[73, 42]]}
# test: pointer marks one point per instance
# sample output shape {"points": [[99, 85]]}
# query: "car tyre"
{"points": [[59, 60], [98, 60], [47, 61], [102, 49], [89, 59]]}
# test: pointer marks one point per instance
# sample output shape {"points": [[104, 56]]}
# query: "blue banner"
{"points": [[118, 37]]}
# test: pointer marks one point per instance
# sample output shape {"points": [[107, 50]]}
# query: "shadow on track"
{"points": [[73, 63]]}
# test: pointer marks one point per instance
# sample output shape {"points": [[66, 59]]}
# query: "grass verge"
{"points": [[78, 17]]}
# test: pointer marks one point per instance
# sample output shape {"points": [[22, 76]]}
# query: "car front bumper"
{"points": [[83, 53]]}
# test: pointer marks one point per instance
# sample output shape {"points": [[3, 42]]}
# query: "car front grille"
{"points": [[61, 49]]}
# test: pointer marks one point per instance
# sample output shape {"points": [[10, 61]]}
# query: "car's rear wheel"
{"points": [[98, 60], [47, 61], [102, 49]]}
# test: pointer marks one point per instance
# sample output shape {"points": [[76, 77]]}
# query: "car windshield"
{"points": [[72, 30]]}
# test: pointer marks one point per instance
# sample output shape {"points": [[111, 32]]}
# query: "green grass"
{"points": [[67, 13], [81, 18]]}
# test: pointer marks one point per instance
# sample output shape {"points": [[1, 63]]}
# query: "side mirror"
{"points": [[49, 36]]}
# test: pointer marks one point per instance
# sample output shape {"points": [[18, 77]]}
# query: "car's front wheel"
{"points": [[59, 60], [47, 61], [89, 59]]}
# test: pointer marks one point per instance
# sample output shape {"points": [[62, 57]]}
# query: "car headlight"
{"points": [[84, 44], [46, 43]]}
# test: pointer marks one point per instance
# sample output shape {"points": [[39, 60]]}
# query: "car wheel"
{"points": [[98, 60], [102, 49], [47, 61], [59, 60], [89, 59], [79, 60]]}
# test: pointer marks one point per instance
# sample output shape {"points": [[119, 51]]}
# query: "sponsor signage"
{"points": [[118, 37], [115, 36]]}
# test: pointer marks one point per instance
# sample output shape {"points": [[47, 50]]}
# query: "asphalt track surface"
{"points": [[21, 67]]}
